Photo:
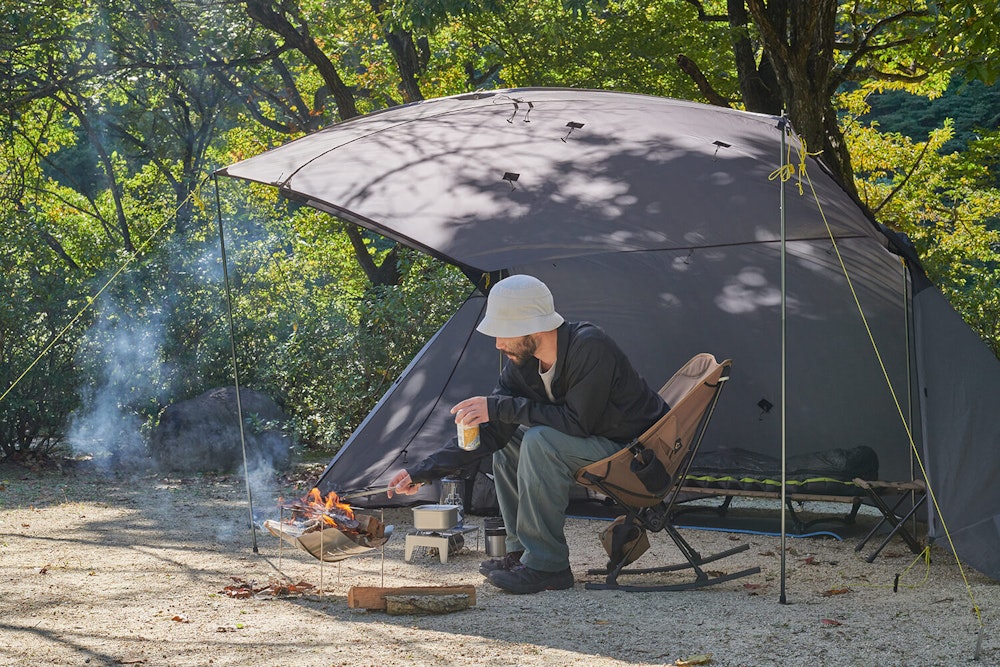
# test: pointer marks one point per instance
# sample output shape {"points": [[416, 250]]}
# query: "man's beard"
{"points": [[522, 351]]}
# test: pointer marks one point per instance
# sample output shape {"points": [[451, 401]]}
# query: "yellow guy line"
{"points": [[92, 299], [888, 381]]}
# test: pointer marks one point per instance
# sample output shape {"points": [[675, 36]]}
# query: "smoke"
{"points": [[121, 356]]}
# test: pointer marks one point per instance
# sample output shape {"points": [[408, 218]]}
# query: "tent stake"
{"points": [[236, 372]]}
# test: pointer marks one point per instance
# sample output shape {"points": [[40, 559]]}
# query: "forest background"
{"points": [[115, 115]]}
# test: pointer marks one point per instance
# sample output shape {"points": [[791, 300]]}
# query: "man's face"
{"points": [[519, 350]]}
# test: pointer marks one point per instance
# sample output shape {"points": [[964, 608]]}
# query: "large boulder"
{"points": [[203, 434]]}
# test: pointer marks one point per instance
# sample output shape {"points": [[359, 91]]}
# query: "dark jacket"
{"points": [[596, 390]]}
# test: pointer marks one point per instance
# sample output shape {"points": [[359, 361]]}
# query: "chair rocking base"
{"points": [[654, 588], [701, 579]]}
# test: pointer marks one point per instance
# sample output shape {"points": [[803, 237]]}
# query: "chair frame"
{"points": [[659, 516]]}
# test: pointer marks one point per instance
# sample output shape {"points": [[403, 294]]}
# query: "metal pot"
{"points": [[435, 517]]}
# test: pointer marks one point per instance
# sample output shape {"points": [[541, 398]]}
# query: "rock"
{"points": [[202, 434]]}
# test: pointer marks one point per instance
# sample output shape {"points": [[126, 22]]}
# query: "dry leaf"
{"points": [[701, 659], [603, 622], [830, 622], [275, 588], [180, 619], [44, 570], [836, 591]]}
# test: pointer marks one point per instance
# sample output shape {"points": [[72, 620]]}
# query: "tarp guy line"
{"points": [[899, 408]]}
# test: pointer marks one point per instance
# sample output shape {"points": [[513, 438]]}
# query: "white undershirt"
{"points": [[547, 380]]}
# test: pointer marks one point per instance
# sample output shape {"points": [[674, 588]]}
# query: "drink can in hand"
{"points": [[468, 437]]}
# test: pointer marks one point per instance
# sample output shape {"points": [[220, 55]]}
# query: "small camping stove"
{"points": [[440, 527]]}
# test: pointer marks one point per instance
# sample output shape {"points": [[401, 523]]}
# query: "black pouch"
{"points": [[650, 471]]}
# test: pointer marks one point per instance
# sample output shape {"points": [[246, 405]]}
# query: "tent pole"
{"points": [[782, 126], [236, 371]]}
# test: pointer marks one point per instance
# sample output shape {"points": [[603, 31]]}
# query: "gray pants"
{"points": [[534, 474]]}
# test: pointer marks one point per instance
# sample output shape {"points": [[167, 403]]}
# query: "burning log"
{"points": [[328, 529]]}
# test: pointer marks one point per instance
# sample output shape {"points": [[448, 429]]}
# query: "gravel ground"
{"points": [[117, 570]]}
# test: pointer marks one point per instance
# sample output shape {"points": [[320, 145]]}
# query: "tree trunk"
{"points": [[798, 40], [404, 52], [263, 12], [758, 84]]}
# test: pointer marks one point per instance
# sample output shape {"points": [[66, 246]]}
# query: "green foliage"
{"points": [[114, 114], [321, 338], [625, 45], [949, 206], [972, 106]]}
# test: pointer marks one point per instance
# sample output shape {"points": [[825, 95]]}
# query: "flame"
{"points": [[329, 504], [315, 506]]}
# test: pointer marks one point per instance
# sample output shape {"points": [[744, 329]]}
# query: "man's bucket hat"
{"points": [[519, 306]]}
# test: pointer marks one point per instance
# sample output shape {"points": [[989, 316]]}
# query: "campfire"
{"points": [[326, 528]]}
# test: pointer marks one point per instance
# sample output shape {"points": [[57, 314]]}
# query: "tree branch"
{"points": [[702, 16], [691, 68], [902, 183], [863, 46]]}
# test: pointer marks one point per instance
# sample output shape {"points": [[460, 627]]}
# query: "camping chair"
{"points": [[646, 476]]}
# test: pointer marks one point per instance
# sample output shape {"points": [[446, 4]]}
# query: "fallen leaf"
{"points": [[836, 591], [44, 570], [25, 525], [830, 622], [701, 659], [180, 619], [275, 588], [603, 622], [225, 628], [753, 587]]}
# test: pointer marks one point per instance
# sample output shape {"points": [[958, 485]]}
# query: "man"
{"points": [[567, 397]]}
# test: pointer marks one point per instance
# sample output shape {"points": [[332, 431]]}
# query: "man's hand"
{"points": [[471, 411], [401, 484]]}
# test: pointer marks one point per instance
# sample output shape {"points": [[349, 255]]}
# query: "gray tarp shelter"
{"points": [[659, 220]]}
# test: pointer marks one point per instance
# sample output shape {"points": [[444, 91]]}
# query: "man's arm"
{"points": [[588, 375]]}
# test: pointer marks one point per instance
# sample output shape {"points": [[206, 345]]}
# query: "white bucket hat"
{"points": [[519, 306]]}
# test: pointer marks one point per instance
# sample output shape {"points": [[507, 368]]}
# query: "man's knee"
{"points": [[538, 436], [542, 442]]}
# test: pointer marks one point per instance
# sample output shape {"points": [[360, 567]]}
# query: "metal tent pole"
{"points": [[236, 370], [782, 126]]}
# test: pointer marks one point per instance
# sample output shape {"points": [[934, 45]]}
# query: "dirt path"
{"points": [[104, 570]]}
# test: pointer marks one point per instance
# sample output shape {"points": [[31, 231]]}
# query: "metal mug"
{"points": [[496, 537]]}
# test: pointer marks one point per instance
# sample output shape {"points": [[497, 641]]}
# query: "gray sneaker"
{"points": [[504, 563], [522, 579]]}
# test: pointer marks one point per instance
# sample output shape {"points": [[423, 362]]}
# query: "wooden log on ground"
{"points": [[373, 597], [402, 605]]}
